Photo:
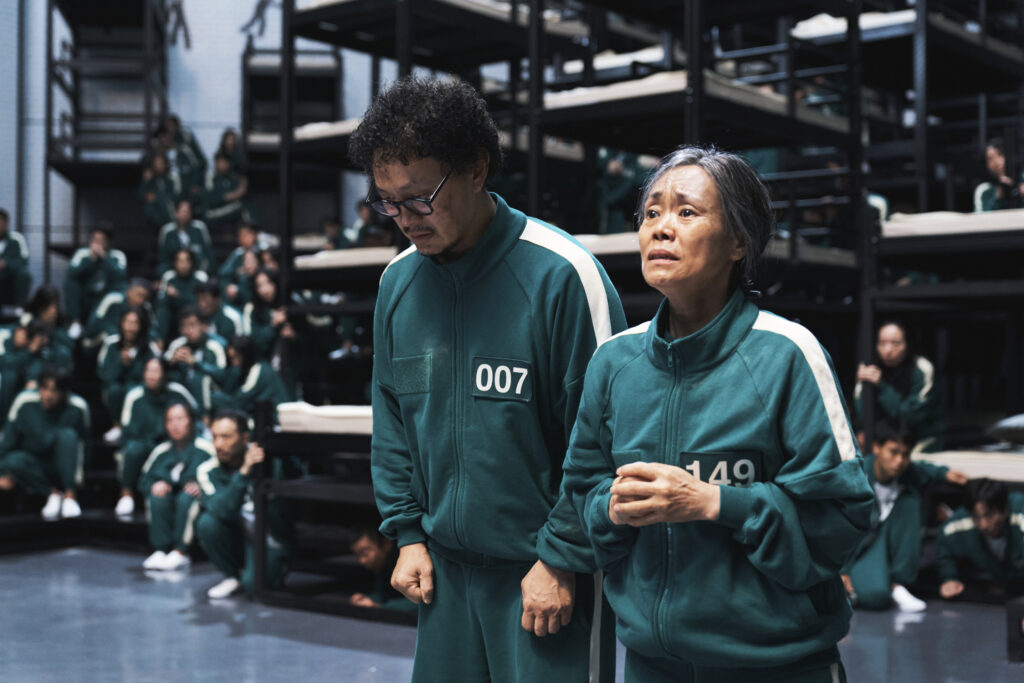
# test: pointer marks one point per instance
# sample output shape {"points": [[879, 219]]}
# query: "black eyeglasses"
{"points": [[417, 205]]}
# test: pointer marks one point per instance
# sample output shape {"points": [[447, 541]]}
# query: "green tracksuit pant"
{"points": [[822, 667], [14, 286], [472, 631], [133, 458], [172, 520], [230, 550], [58, 467], [113, 398], [890, 554]]}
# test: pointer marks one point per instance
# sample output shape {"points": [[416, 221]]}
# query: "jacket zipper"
{"points": [[457, 408], [661, 609]]}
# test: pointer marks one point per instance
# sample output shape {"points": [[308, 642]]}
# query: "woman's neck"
{"points": [[690, 313]]}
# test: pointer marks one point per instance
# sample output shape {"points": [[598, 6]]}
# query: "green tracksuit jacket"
{"points": [[907, 394], [15, 279], [228, 495], [749, 402], [142, 417], [218, 209], [226, 323], [211, 359], [477, 373], [176, 467], [168, 307], [106, 319], [32, 430], [262, 383], [231, 273], [256, 324], [88, 281], [165, 189], [195, 237], [960, 543]]}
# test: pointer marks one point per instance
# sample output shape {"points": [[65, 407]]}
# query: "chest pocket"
{"points": [[728, 468], [412, 374], [503, 379]]}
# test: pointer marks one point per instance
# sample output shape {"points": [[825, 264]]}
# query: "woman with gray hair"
{"points": [[712, 462]]}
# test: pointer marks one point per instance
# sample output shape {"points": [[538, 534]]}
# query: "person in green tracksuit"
{"points": [[378, 555], [239, 268], [260, 381], [94, 272], [44, 306], [177, 292], [1001, 191], [168, 482], [188, 159], [184, 232], [21, 347], [905, 388], [142, 419], [878, 573], [15, 280], [482, 333], [197, 360], [265, 319], [158, 191], [712, 463], [984, 542], [45, 443], [224, 526], [106, 317], [224, 199], [219, 319], [122, 358]]}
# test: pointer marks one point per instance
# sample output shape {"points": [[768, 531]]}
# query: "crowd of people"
{"points": [[710, 447]]}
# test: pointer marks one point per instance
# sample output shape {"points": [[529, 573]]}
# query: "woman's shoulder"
{"points": [[622, 347]]}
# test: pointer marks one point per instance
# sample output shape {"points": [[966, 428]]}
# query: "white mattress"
{"points": [[555, 148], [824, 25], [309, 242], [952, 223], [303, 61], [613, 60], [628, 242], [256, 140], [303, 417], [715, 85], [977, 464], [347, 258], [327, 129]]}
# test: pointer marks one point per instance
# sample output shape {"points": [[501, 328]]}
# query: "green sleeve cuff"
{"points": [[735, 507], [409, 535]]}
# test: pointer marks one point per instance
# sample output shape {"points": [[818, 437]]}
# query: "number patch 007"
{"points": [[729, 469], [502, 379]]}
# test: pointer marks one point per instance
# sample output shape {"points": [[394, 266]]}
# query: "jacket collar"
{"points": [[501, 234], [707, 346]]}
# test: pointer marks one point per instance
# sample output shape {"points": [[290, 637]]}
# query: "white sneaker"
{"points": [[75, 331], [906, 602], [112, 436], [69, 507], [174, 560], [154, 561], [125, 507], [224, 589], [52, 508]]}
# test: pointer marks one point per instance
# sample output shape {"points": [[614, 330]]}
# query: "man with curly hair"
{"points": [[482, 332]]}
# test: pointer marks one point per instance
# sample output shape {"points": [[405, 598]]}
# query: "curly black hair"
{"points": [[417, 118]]}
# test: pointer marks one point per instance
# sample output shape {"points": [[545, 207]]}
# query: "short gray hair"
{"points": [[746, 204]]}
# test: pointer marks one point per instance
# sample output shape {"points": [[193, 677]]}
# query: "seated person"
{"points": [[15, 279], [378, 556], [1000, 191], [106, 318], [260, 381], [221, 320], [158, 191], [265, 318], [142, 424], [45, 306], [94, 272], [224, 527], [186, 158], [887, 559], [120, 364], [45, 442], [196, 360], [184, 232], [238, 270], [177, 292], [905, 389], [330, 226], [224, 200], [984, 541], [20, 348], [168, 482], [229, 147]]}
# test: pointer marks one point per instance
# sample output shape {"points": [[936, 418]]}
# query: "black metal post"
{"points": [[19, 193], [403, 37], [536, 138], [693, 31], [48, 145], [286, 181], [921, 151]]}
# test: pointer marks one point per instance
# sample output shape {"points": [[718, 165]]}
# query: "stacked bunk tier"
{"points": [[944, 77]]}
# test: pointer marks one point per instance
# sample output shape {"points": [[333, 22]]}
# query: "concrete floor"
{"points": [[93, 615]]}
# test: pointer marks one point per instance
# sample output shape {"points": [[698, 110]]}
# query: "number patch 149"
{"points": [[727, 469], [502, 379]]}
